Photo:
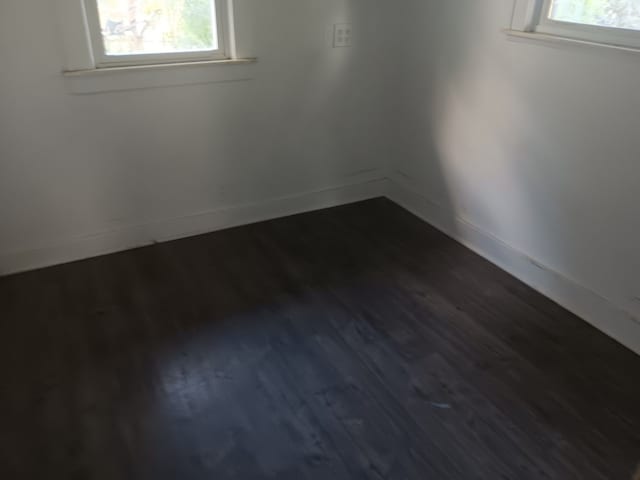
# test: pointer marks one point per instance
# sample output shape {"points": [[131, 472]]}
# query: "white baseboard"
{"points": [[133, 236], [585, 303]]}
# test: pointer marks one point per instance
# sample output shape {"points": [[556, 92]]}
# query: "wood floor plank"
{"points": [[349, 343]]}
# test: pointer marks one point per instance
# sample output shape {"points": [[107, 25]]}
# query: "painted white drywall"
{"points": [[533, 144], [76, 167]]}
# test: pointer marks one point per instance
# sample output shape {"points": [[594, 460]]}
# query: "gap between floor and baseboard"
{"points": [[592, 307], [587, 304]]}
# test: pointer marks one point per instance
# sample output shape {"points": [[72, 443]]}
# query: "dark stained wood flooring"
{"points": [[350, 343]]}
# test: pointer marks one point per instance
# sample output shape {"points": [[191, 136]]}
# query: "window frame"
{"points": [[533, 16], [102, 60]]}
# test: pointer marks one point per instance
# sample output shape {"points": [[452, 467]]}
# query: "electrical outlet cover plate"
{"points": [[342, 35]]}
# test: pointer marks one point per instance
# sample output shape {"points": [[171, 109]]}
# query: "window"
{"points": [[623, 14], [615, 22], [139, 32], [114, 45]]}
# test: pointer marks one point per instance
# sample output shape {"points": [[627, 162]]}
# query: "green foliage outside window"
{"points": [[148, 26]]}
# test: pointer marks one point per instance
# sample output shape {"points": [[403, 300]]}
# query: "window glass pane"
{"points": [[133, 27], [603, 13]]}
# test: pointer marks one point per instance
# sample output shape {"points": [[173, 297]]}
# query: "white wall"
{"points": [[526, 151], [85, 174]]}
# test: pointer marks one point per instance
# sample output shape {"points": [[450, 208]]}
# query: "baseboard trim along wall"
{"points": [[585, 303], [128, 237]]}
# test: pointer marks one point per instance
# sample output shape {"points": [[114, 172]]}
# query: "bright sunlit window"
{"points": [[132, 32], [614, 22], [603, 13]]}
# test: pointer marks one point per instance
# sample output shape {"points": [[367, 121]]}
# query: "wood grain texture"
{"points": [[350, 343]]}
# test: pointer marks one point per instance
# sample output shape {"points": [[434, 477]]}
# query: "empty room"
{"points": [[319, 239]]}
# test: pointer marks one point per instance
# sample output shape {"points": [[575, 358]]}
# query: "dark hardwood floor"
{"points": [[350, 343]]}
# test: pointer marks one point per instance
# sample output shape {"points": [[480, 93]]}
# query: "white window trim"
{"points": [[103, 60], [530, 17], [83, 75], [84, 51]]}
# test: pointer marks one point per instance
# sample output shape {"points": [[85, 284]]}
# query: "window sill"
{"points": [[113, 79], [567, 41]]}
